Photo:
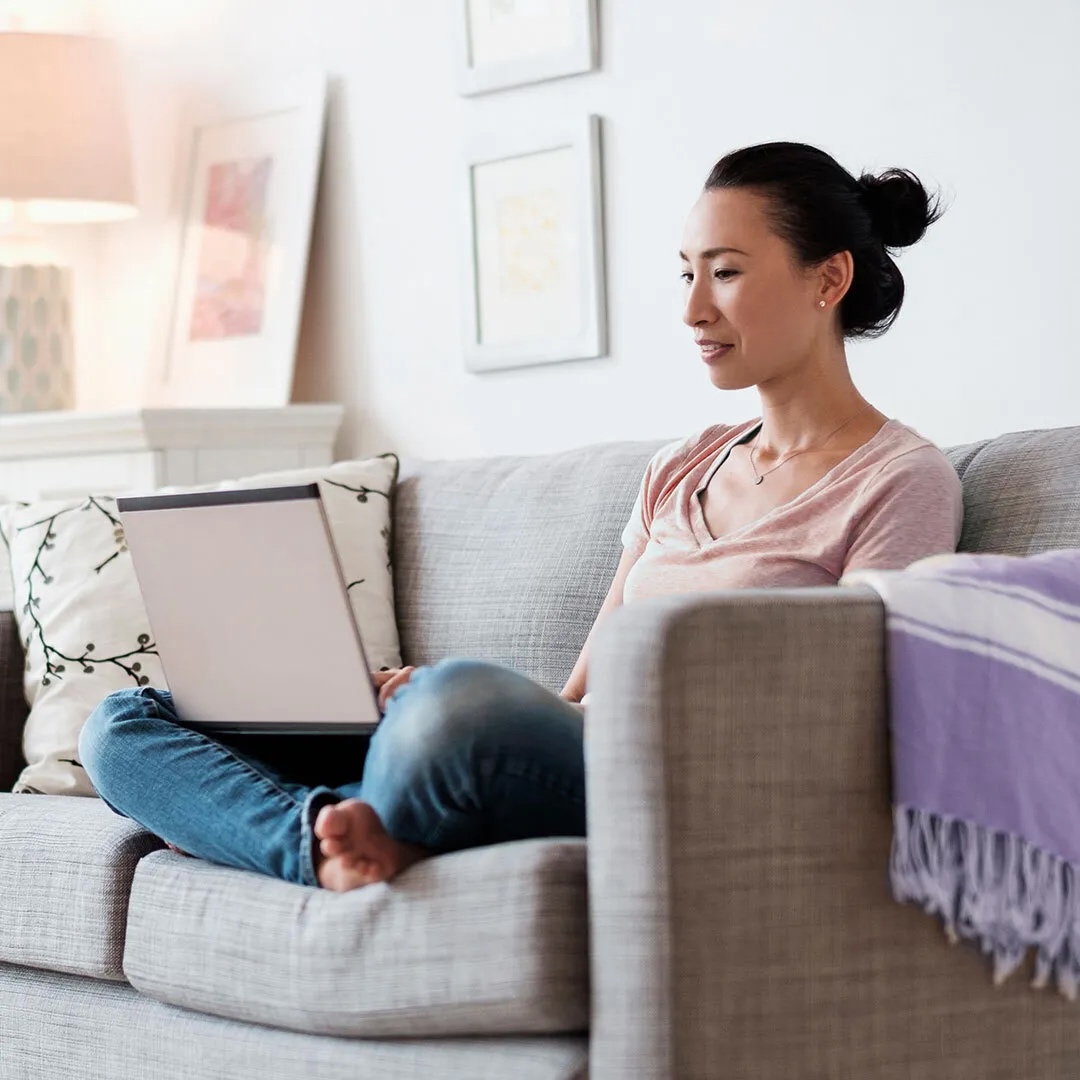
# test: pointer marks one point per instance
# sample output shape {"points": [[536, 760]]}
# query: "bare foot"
{"points": [[356, 850], [173, 847]]}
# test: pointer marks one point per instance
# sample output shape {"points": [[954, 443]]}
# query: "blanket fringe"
{"points": [[992, 888]]}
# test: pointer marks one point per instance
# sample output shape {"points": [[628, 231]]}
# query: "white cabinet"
{"points": [[53, 455]]}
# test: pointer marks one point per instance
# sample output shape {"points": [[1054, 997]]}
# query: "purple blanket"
{"points": [[984, 685]]}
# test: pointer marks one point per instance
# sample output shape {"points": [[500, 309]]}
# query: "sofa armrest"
{"points": [[739, 833], [12, 701]]}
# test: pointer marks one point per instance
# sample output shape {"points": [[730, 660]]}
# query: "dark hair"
{"points": [[819, 208]]}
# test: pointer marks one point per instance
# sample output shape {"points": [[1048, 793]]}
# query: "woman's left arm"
{"points": [[913, 508]]}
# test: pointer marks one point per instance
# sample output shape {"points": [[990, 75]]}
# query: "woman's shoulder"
{"points": [[906, 460], [905, 450]]}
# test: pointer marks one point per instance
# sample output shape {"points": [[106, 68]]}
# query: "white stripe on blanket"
{"points": [[1009, 621], [1025, 661]]}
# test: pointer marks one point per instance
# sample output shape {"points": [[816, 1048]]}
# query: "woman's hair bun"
{"points": [[818, 209], [898, 205]]}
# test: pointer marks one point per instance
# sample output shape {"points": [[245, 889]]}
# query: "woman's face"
{"points": [[753, 298]]}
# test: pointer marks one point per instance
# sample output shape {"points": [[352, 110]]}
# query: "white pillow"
{"points": [[82, 620]]}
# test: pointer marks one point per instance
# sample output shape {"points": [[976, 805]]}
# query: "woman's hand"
{"points": [[388, 682]]}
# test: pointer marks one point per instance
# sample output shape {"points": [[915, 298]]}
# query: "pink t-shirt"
{"points": [[893, 500]]}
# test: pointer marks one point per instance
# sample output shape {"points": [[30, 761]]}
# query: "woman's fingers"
{"points": [[393, 684], [400, 679]]}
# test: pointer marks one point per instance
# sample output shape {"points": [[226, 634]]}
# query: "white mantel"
{"points": [[57, 454], [45, 434]]}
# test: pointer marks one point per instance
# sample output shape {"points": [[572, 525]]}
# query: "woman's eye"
{"points": [[724, 275]]}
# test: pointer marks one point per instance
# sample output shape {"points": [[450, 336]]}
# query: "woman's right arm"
{"points": [[574, 690]]}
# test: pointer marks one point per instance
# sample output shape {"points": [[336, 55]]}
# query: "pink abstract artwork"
{"points": [[230, 286]]}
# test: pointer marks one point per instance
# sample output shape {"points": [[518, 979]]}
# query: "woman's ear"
{"points": [[835, 275]]}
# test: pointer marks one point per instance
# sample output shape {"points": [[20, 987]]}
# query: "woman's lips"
{"points": [[711, 351]]}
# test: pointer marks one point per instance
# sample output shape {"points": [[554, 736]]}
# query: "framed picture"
{"points": [[247, 179], [534, 248], [510, 42]]}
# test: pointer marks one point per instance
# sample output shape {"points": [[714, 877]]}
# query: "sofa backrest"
{"points": [[509, 558], [1021, 491]]}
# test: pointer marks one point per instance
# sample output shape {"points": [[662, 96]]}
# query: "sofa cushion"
{"points": [[508, 559], [492, 940], [60, 1027], [1021, 492], [65, 874]]}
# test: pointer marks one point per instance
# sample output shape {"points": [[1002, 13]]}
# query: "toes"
{"points": [[345, 874], [330, 822], [356, 848], [332, 846], [374, 873]]}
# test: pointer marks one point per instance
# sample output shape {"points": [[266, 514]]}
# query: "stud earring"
{"points": [[821, 303]]}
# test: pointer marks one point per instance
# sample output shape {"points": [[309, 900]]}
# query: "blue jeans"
{"points": [[468, 753]]}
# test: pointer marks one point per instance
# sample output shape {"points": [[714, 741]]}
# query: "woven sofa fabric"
{"points": [[508, 559], [12, 701], [1022, 493], [962, 456], [739, 838], [487, 941], [66, 865], [60, 1026]]}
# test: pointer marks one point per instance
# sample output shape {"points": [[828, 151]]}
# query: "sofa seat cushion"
{"points": [[487, 941], [66, 866]]}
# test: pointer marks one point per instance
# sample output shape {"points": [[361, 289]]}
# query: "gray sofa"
{"points": [[737, 921]]}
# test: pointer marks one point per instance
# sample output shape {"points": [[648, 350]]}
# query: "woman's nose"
{"points": [[699, 309]]}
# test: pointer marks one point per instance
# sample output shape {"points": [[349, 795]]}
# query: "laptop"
{"points": [[249, 611]]}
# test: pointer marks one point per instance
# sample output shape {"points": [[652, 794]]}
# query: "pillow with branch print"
{"points": [[85, 630], [82, 624]]}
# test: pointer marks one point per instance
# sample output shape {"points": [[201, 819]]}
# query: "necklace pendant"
{"points": [[758, 480]]}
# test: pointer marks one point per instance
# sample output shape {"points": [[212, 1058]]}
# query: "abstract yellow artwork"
{"points": [[530, 260], [535, 249]]}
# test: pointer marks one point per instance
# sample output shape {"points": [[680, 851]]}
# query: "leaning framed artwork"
{"points": [[534, 249], [505, 43], [247, 178]]}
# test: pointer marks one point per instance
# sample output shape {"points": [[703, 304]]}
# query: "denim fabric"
{"points": [[473, 753], [468, 753]]}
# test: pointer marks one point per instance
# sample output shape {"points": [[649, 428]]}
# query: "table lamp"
{"points": [[65, 158]]}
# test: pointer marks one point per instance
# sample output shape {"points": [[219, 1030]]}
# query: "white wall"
{"points": [[978, 96]]}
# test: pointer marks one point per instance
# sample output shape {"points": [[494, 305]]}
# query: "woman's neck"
{"points": [[802, 411]]}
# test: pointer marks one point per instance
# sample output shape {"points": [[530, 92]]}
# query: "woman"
{"points": [[784, 256]]}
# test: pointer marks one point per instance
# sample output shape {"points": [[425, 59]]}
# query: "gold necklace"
{"points": [[759, 477]]}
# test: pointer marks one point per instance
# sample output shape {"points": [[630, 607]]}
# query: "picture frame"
{"points": [[246, 182], [503, 43], [534, 273]]}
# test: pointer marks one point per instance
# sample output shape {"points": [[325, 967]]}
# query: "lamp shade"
{"points": [[65, 150]]}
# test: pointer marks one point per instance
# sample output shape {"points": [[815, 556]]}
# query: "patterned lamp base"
{"points": [[35, 339]]}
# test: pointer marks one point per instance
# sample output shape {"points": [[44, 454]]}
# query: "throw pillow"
{"points": [[84, 627]]}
